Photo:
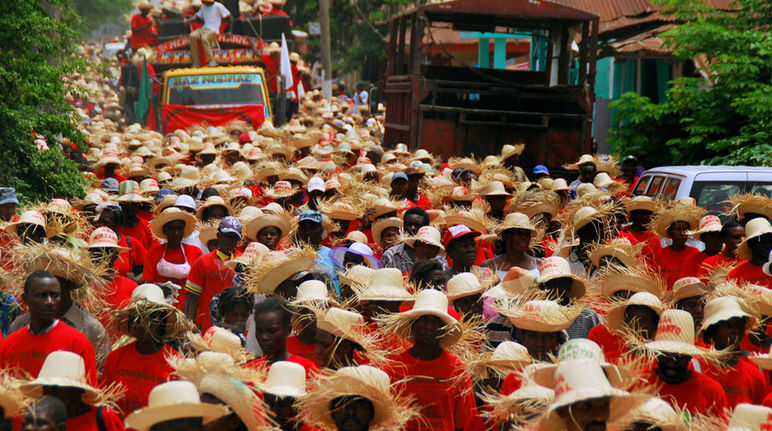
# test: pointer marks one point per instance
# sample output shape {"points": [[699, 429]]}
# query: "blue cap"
{"points": [[310, 215], [540, 169], [160, 194], [398, 175], [110, 185], [8, 196], [230, 224]]}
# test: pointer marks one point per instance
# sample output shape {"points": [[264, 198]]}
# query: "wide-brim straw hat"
{"points": [[749, 417], [427, 235], [724, 308], [189, 176], [346, 324], [510, 150], [675, 334], [285, 379], [516, 220], [677, 212], [540, 315], [173, 400], [146, 299], [708, 223], [358, 275], [385, 284], [751, 203], [169, 215], [473, 218], [618, 248], [686, 287], [633, 279], [220, 340], [283, 222], [281, 189], [62, 369], [237, 396], [212, 201], [384, 224], [508, 357], [427, 302], [753, 229], [640, 203], [659, 414], [373, 384], [582, 380], [11, 398], [494, 188], [555, 267], [615, 318], [267, 274], [104, 237], [464, 284], [582, 349], [515, 282], [29, 217]]}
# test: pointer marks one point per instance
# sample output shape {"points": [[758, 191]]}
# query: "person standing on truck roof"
{"points": [[212, 14], [142, 28]]}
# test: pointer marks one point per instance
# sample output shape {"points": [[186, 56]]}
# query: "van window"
{"points": [[656, 185], [713, 196], [671, 188], [641, 186], [762, 189]]}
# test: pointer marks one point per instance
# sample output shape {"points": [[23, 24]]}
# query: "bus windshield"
{"points": [[216, 89]]}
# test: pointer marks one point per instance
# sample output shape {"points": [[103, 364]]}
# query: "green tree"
{"points": [[96, 13], [726, 121], [38, 48]]}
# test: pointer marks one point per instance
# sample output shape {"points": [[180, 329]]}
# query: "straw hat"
{"points": [[560, 184], [427, 235], [145, 299], [753, 229], [516, 282], [339, 210], [109, 156], [640, 203], [169, 215], [104, 237], [253, 252], [356, 275], [675, 334], [265, 275], [633, 279], [494, 188], [384, 206], [220, 340], [474, 219], [686, 287], [583, 380], [539, 315], [62, 369], [751, 203], [464, 284], [764, 361], [390, 410], [312, 292], [508, 357], [285, 379], [583, 159], [584, 349], [189, 176], [708, 223], [278, 149], [384, 224], [281, 221], [11, 398], [584, 216], [615, 318], [725, 308], [29, 217], [212, 201], [749, 417], [281, 189], [148, 186], [516, 220], [385, 284], [173, 400], [658, 413], [557, 267], [427, 302], [618, 248], [509, 150], [345, 324], [678, 211], [603, 180], [293, 174]]}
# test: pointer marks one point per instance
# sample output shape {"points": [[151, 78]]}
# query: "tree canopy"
{"points": [[725, 119]]}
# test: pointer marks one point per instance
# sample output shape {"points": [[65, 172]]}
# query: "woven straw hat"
{"points": [[427, 302], [345, 324], [659, 414], [640, 203], [385, 284], [427, 235], [275, 267], [494, 188], [751, 203], [560, 184], [253, 252], [516, 282], [615, 319], [312, 291], [148, 186], [280, 221], [540, 315], [508, 357], [62, 369], [358, 275], [390, 410], [285, 379], [583, 216], [188, 176], [219, 340], [725, 308], [675, 334], [104, 237], [11, 398], [509, 150], [464, 284], [173, 400], [753, 229], [619, 248], [708, 223], [212, 201], [678, 211], [582, 349], [634, 279], [473, 219], [517, 220], [686, 287], [764, 361], [384, 224], [169, 215], [29, 217], [749, 417], [557, 267], [281, 189], [582, 380]]}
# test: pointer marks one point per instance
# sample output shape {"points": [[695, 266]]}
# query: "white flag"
{"points": [[301, 91], [285, 67]]}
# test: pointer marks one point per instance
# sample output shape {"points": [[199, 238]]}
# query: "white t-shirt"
{"points": [[213, 15]]}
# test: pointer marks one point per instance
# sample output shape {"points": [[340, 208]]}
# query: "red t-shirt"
{"points": [[422, 202], [299, 348], [699, 394], [150, 272], [209, 276], [750, 273], [138, 373], [712, 262], [511, 383], [612, 344], [144, 37], [742, 383], [650, 239], [672, 264], [141, 231], [88, 421], [442, 388], [119, 292], [311, 368], [26, 352], [135, 255], [692, 267], [145, 215]]}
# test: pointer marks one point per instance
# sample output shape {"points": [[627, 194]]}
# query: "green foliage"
{"points": [[96, 13], [38, 48], [728, 121]]}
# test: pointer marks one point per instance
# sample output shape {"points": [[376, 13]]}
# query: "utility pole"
{"points": [[324, 21]]}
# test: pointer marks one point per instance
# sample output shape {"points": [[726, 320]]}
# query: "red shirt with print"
{"points": [[747, 272], [209, 276], [299, 348], [742, 383], [672, 264], [699, 394]]}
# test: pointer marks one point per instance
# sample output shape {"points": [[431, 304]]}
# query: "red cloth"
{"points": [[120, 178], [144, 37], [138, 373], [767, 401], [145, 215], [271, 73], [141, 231], [150, 273], [612, 344], [651, 240], [511, 383], [699, 394], [713, 262], [135, 255], [442, 387], [742, 383], [310, 367], [209, 276], [422, 202], [692, 266], [672, 264], [88, 421], [119, 289], [299, 348], [26, 352], [750, 273]]}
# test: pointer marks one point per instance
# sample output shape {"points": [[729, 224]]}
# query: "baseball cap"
{"points": [[310, 215], [8, 196], [230, 224], [398, 175], [455, 232], [110, 185], [315, 183], [540, 169]]}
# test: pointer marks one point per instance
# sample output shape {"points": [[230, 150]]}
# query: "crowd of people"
{"points": [[306, 277]]}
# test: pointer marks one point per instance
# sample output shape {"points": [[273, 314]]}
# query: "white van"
{"points": [[710, 186]]}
